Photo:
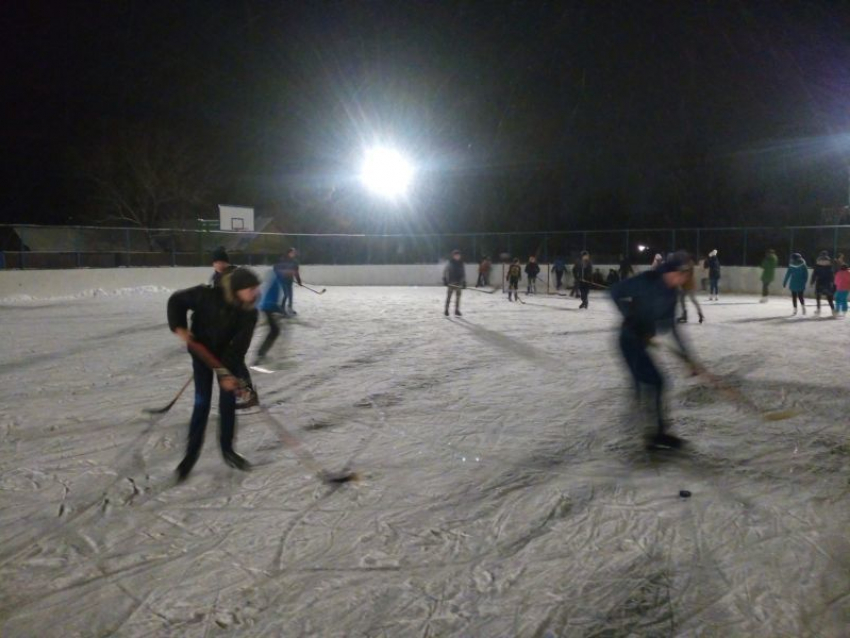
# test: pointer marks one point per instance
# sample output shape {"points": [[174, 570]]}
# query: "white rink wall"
{"points": [[40, 284]]}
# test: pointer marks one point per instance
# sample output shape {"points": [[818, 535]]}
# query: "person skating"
{"points": [[768, 273], [221, 265], [795, 278], [585, 278], [648, 305], [271, 311], [713, 266], [822, 279], [626, 269], [532, 269], [574, 292], [513, 277], [842, 289], [560, 269], [223, 320], [688, 292], [454, 278], [484, 272], [287, 270]]}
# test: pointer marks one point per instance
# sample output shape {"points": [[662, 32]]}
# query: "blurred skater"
{"points": [[454, 278], [532, 269], [823, 280], [795, 278], [513, 277]]}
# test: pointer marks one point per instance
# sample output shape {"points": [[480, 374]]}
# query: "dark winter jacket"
{"points": [[797, 274], [585, 272], [713, 267], [612, 279], [219, 324], [454, 273], [215, 280], [288, 269], [514, 273], [626, 269], [560, 266], [647, 304], [532, 270], [822, 276]]}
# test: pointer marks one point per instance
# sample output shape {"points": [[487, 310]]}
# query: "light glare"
{"points": [[385, 172]]}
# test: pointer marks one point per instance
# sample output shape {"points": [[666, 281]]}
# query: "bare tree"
{"points": [[144, 176]]}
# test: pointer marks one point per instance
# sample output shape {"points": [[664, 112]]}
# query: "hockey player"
{"points": [[687, 292], [287, 271], [484, 272], [713, 265], [822, 279], [532, 269], [795, 278], [585, 278], [560, 269], [221, 265], [513, 277], [648, 304], [454, 277], [223, 320]]}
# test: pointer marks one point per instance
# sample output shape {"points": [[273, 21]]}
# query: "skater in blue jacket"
{"points": [[796, 278]]}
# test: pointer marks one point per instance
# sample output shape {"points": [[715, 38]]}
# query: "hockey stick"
{"points": [[318, 292], [483, 292], [732, 393], [303, 455], [166, 408]]}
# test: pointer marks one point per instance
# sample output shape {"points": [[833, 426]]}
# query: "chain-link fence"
{"points": [[30, 246]]}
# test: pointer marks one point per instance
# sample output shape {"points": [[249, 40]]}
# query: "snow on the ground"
{"points": [[504, 490]]}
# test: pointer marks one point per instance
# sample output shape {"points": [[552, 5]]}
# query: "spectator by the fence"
{"points": [[768, 272], [532, 269], [626, 269], [560, 269], [822, 278]]}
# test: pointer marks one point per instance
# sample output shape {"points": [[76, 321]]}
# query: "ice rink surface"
{"points": [[504, 487]]}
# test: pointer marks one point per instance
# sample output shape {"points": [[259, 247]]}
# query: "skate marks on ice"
{"points": [[511, 345]]}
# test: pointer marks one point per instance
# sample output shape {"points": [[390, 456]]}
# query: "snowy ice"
{"points": [[504, 488]]}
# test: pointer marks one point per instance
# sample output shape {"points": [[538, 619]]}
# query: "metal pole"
{"points": [[127, 244], [173, 253], [791, 249], [744, 262], [835, 242], [699, 254], [584, 241], [626, 254]]}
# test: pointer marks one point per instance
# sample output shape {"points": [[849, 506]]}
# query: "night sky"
{"points": [[518, 115]]}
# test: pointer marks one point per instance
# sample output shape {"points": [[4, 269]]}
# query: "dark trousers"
{"points": [[826, 292], [286, 285], [684, 295], [714, 288], [456, 292], [584, 291], [797, 295], [274, 332], [483, 279], [203, 400], [643, 370], [559, 276]]}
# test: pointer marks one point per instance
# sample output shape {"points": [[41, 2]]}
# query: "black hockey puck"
{"points": [[684, 493]]}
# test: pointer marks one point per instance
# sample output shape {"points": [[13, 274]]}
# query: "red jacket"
{"points": [[842, 280]]}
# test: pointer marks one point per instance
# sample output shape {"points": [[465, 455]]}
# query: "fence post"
{"points": [[835, 242], [127, 245], [584, 241], [474, 249], [627, 253], [791, 242], [673, 239], [173, 252], [744, 263], [699, 254]]}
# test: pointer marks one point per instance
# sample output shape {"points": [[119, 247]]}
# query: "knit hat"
{"points": [[220, 254], [242, 278]]}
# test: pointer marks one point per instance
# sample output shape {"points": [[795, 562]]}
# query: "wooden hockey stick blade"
{"points": [[166, 408]]}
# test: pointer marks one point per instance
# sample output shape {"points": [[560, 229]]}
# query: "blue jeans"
{"points": [[643, 369], [841, 300], [198, 425], [714, 290], [286, 284]]}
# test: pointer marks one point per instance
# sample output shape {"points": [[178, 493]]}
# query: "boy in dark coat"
{"points": [[823, 279], [560, 269], [223, 320], [221, 265], [532, 269], [484, 272], [513, 277], [454, 277], [648, 304], [585, 278]]}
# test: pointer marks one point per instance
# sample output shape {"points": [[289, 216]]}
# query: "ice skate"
{"points": [[236, 460], [664, 441]]}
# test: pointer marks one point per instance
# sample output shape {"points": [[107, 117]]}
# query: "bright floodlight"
{"points": [[642, 248], [386, 172]]}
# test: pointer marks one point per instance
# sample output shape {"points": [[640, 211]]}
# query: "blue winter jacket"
{"points": [[797, 275], [270, 301]]}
